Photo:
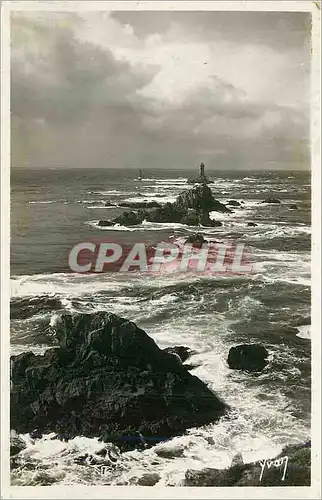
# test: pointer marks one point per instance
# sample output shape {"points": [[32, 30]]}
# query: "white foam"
{"points": [[304, 332]]}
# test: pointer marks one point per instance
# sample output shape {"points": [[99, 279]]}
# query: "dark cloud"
{"points": [[76, 101]]}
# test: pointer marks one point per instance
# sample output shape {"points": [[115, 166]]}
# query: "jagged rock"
{"points": [[149, 479], [297, 471], [271, 199], [108, 379], [182, 351], [196, 240], [17, 444], [252, 224], [248, 357], [200, 198]]}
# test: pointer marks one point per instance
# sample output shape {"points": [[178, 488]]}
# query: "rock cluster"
{"points": [[191, 207]]}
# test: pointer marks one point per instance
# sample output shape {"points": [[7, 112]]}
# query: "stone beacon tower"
{"points": [[201, 177]]}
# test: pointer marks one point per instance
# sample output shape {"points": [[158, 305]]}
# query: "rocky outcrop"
{"points": [[191, 207], [269, 472], [248, 357], [108, 378], [200, 198]]}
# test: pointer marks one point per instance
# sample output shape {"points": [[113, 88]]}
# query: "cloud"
{"points": [[96, 89]]}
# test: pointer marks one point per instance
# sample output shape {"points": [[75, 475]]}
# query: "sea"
{"points": [[54, 209]]}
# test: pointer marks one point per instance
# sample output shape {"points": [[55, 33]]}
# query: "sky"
{"points": [[160, 89]]}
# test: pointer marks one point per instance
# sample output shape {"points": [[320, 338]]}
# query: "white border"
{"points": [[98, 492]]}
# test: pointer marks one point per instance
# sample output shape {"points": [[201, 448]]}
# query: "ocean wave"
{"points": [[158, 197], [258, 427], [46, 202]]}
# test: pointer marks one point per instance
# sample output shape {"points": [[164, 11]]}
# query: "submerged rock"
{"points": [[271, 199], [149, 479], [109, 379], [182, 351], [233, 203], [252, 224], [196, 240], [105, 223], [248, 357], [293, 206]]}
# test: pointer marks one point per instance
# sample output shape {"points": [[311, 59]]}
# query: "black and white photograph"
{"points": [[162, 327]]}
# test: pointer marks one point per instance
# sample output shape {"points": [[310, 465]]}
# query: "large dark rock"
{"points": [[297, 471], [108, 378], [248, 357], [252, 224], [293, 206], [200, 198]]}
